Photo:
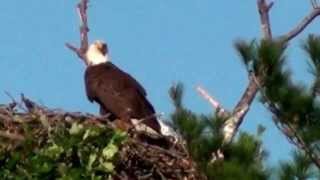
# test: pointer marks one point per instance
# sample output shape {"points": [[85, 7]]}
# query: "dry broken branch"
{"points": [[214, 103], [84, 29], [233, 123]]}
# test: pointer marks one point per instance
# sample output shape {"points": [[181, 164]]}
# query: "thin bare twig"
{"points": [[302, 25], [84, 29], [13, 104]]}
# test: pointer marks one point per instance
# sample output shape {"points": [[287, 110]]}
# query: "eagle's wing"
{"points": [[133, 82], [89, 85], [119, 93]]}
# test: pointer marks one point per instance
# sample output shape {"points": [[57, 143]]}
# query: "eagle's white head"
{"points": [[97, 53]]}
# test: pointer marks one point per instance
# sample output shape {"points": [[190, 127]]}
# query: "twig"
{"points": [[84, 29], [10, 96], [14, 103], [30, 105], [302, 25], [11, 136]]}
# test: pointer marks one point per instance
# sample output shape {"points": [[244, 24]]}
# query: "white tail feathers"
{"points": [[141, 127], [165, 128]]}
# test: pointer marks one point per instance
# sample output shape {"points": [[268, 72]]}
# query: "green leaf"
{"points": [[109, 151], [91, 132], [246, 51], [119, 136], [53, 151], [92, 159], [75, 128], [108, 167]]}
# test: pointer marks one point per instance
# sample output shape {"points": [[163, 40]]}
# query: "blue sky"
{"points": [[158, 42]]}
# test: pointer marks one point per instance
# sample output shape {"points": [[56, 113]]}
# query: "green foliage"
{"points": [[245, 52], [293, 104], [64, 151], [312, 48], [296, 108], [300, 167], [242, 159]]}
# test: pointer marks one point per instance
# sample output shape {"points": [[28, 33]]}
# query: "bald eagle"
{"points": [[116, 91]]}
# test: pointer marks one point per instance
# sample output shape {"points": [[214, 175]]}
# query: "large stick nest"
{"points": [[136, 158]]}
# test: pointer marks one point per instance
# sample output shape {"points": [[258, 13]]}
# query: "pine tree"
{"points": [[301, 167], [242, 158], [295, 107]]}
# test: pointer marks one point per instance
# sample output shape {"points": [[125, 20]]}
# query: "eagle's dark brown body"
{"points": [[119, 94]]}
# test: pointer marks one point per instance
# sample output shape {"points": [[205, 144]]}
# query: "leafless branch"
{"points": [[214, 103], [13, 103], [264, 9], [249, 94], [84, 29], [302, 25]]}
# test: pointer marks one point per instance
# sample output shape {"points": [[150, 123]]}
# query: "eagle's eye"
{"points": [[104, 48]]}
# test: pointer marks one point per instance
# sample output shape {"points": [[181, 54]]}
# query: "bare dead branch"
{"points": [[249, 94], [76, 50], [214, 103], [264, 9], [302, 25], [270, 5], [84, 29]]}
